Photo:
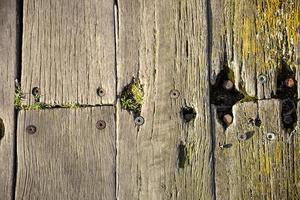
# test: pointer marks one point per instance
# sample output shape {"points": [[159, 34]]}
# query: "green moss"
{"points": [[18, 96], [132, 97]]}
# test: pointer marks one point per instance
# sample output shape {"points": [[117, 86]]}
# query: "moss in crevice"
{"points": [[132, 97]]}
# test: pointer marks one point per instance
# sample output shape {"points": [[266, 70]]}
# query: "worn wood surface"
{"points": [[69, 51], [7, 74], [67, 157], [162, 44], [257, 167]]}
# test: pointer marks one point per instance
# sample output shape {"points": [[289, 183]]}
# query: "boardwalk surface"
{"points": [[149, 100]]}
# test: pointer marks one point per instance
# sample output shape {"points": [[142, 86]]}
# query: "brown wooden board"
{"points": [[164, 45], [7, 75], [67, 157], [69, 51]]}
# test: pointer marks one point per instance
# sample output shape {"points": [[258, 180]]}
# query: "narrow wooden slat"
{"points": [[7, 74], [164, 44], [69, 51], [67, 157], [256, 168]]}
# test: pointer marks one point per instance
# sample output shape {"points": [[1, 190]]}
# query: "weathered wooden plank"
{"points": [[251, 165], [7, 75], [67, 157], [164, 45], [69, 51], [260, 38]]}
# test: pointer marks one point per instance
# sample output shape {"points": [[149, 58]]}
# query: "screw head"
{"points": [[101, 92], [289, 82], [270, 136], [100, 124], [262, 78], [228, 85], [227, 119], [139, 120], [174, 94], [36, 91], [31, 129]]}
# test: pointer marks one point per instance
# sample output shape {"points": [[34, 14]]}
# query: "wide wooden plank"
{"points": [[164, 45], [67, 157], [69, 51], [258, 37], [256, 162], [7, 75]]}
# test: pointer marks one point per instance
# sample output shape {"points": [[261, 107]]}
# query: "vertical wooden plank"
{"points": [[164, 45], [7, 75], [67, 157], [69, 51], [257, 167]]}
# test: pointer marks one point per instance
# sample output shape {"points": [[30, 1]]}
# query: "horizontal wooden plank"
{"points": [[69, 51], [67, 157], [8, 57], [163, 44]]}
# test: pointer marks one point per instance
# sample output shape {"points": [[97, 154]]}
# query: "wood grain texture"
{"points": [[256, 168], [7, 76], [164, 44], [259, 37], [69, 51], [68, 157]]}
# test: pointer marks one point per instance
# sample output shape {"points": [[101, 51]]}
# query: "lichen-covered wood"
{"points": [[164, 44], [8, 58], [69, 51], [67, 157]]}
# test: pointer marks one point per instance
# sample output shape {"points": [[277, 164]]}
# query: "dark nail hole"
{"points": [[174, 94], [287, 92], [2, 129], [224, 95], [36, 91], [188, 114], [225, 146], [257, 122], [246, 135], [181, 155]]}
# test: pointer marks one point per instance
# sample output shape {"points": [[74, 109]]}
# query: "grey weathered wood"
{"points": [[256, 168], [69, 51], [259, 36], [68, 157], [164, 44], [7, 75]]}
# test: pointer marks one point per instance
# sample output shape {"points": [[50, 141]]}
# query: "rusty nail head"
{"points": [[228, 85], [262, 78], [174, 94], [36, 91], [101, 92], [100, 124], [289, 82], [227, 119], [31, 129], [139, 120]]}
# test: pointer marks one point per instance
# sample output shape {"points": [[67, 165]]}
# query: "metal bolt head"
{"points": [[270, 136], [227, 119], [242, 137], [100, 124], [289, 82], [228, 85], [101, 92], [36, 91], [262, 78], [174, 94], [139, 120], [31, 129]]}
